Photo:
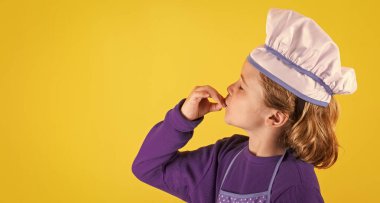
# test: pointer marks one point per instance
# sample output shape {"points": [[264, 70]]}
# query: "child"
{"points": [[283, 99]]}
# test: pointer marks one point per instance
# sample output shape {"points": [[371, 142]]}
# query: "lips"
{"points": [[226, 101]]}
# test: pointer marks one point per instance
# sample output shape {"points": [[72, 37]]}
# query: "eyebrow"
{"points": [[241, 75]]}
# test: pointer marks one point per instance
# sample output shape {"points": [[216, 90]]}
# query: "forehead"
{"points": [[250, 73], [252, 76]]}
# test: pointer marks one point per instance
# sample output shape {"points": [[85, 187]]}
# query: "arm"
{"points": [[160, 164]]}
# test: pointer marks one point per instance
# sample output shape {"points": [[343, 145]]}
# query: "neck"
{"points": [[264, 145]]}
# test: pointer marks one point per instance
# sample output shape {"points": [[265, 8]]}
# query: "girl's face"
{"points": [[245, 108]]}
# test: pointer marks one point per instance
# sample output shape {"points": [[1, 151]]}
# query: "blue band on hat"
{"points": [[299, 68], [283, 84]]}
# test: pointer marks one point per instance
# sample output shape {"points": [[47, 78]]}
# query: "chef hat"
{"points": [[302, 58]]}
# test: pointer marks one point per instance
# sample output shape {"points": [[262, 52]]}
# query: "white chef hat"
{"points": [[302, 58]]}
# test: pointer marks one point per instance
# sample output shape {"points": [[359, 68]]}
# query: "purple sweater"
{"points": [[196, 176]]}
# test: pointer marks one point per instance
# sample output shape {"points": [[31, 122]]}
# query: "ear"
{"points": [[277, 119]]}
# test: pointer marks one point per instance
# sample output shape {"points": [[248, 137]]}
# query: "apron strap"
{"points": [[274, 174], [225, 175]]}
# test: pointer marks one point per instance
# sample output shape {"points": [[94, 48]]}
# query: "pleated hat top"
{"points": [[301, 57]]}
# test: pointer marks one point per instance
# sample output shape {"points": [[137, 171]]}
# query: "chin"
{"points": [[227, 119]]}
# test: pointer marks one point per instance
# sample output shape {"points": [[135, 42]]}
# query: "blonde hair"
{"points": [[310, 133]]}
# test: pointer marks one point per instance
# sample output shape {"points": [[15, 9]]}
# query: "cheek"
{"points": [[243, 115], [242, 106], [247, 107]]}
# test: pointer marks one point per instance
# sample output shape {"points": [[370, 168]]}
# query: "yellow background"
{"points": [[83, 82]]}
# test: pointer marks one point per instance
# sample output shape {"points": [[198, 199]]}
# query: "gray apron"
{"points": [[261, 197]]}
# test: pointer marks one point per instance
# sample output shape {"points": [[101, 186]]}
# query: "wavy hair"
{"points": [[310, 132]]}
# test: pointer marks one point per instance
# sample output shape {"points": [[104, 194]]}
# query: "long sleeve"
{"points": [[160, 164], [195, 176], [300, 193]]}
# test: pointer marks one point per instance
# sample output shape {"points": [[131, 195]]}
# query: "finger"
{"points": [[199, 95], [215, 107], [213, 93], [216, 94]]}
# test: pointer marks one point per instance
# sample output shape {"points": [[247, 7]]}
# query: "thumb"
{"points": [[215, 107]]}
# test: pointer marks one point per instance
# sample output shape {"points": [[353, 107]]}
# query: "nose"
{"points": [[230, 89]]}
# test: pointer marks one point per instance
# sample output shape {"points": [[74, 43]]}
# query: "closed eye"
{"points": [[240, 86]]}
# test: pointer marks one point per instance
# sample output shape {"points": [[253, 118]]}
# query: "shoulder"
{"points": [[221, 147], [234, 140], [227, 146], [232, 144], [296, 181]]}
